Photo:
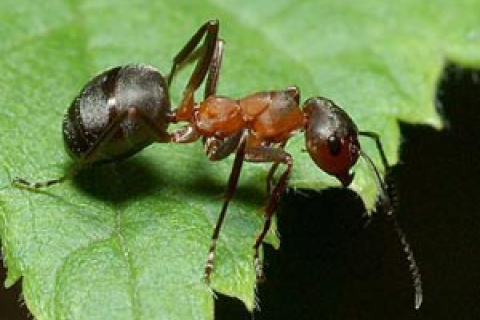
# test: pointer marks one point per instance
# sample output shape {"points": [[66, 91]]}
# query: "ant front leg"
{"points": [[218, 149], [276, 155], [185, 134]]}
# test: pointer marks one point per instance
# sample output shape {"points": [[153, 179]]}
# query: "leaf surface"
{"points": [[129, 241]]}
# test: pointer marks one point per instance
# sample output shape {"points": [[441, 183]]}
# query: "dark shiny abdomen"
{"points": [[133, 86]]}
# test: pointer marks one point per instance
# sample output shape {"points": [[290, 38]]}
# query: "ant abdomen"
{"points": [[331, 138], [126, 99]]}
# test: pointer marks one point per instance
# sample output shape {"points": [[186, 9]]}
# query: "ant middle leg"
{"points": [[231, 187], [273, 169], [217, 149]]}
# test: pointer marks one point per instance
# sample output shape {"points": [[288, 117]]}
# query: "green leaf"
{"points": [[129, 241]]}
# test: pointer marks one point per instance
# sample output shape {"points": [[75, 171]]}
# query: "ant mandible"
{"points": [[257, 128], [124, 109]]}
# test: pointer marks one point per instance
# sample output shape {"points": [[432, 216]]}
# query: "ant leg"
{"points": [[217, 149], [210, 30], [209, 46], [276, 155], [185, 110], [145, 122], [22, 183], [214, 71], [272, 170], [232, 186], [185, 134], [86, 158]]}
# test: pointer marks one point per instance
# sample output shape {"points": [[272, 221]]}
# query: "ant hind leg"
{"points": [[275, 155], [85, 159]]}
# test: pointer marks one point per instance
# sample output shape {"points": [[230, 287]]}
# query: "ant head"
{"points": [[331, 138]]}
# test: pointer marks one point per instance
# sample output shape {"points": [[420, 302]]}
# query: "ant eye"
{"points": [[334, 145]]}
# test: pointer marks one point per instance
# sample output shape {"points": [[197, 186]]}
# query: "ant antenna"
{"points": [[414, 270], [380, 183], [388, 206]]}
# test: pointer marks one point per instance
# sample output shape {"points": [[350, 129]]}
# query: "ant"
{"points": [[126, 108], [257, 127]]}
